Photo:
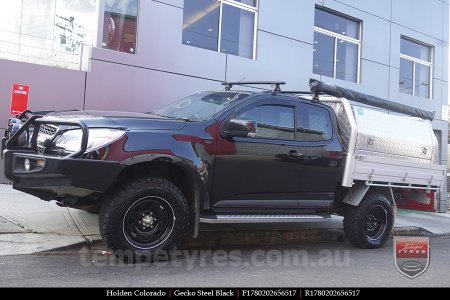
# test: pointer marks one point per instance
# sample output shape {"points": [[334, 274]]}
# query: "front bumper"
{"points": [[54, 178]]}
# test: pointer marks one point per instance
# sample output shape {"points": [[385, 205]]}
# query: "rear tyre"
{"points": [[147, 216], [369, 225]]}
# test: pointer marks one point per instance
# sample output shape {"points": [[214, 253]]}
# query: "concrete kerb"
{"points": [[209, 239], [61, 229], [225, 239], [216, 240], [413, 231]]}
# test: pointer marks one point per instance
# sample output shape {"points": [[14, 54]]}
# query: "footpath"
{"points": [[29, 225]]}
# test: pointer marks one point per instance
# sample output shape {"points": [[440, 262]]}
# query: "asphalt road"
{"points": [[330, 264]]}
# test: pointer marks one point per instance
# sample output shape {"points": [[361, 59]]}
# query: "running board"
{"points": [[233, 219]]}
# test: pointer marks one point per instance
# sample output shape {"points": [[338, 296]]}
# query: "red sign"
{"points": [[415, 199], [19, 98], [412, 255]]}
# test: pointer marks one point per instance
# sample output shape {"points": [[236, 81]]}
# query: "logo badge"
{"points": [[412, 255]]}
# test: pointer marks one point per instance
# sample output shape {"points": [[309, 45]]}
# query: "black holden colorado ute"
{"points": [[214, 157]]}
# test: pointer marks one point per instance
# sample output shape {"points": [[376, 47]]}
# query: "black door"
{"points": [[322, 155], [265, 170]]}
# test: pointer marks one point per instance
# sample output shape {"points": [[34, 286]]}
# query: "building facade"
{"points": [[138, 55]]}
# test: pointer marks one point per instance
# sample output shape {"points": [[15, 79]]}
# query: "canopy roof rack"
{"points": [[318, 87], [275, 85]]}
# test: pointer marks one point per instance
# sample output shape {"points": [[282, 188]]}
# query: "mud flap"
{"points": [[356, 193]]}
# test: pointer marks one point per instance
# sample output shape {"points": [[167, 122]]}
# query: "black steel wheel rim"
{"points": [[148, 222], [375, 222]]}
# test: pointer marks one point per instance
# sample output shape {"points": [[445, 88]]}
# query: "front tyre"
{"points": [[369, 225], [145, 217]]}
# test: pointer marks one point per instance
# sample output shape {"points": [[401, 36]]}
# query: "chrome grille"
{"points": [[41, 150], [47, 129]]}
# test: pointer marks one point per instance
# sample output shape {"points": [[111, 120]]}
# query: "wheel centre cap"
{"points": [[147, 220]]}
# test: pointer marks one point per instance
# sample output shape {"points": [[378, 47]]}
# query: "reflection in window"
{"points": [[47, 32], [200, 107], [201, 23], [235, 35], [346, 60], [120, 25], [337, 40], [422, 80], [415, 68], [237, 31], [323, 54], [317, 125], [406, 76], [336, 24], [275, 122], [248, 2], [413, 49]]}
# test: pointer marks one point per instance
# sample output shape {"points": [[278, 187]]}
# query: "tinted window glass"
{"points": [[120, 25], [47, 32], [237, 31], [346, 61], [422, 84], [416, 50], [323, 54], [276, 122], [336, 23], [415, 68], [317, 125], [335, 56], [201, 23], [406, 77], [200, 106], [248, 2], [203, 18]]}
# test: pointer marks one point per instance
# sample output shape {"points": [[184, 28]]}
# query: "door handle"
{"points": [[294, 154]]}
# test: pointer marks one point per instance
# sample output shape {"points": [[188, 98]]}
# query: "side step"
{"points": [[233, 219]]}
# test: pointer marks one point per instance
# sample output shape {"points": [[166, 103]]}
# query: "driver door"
{"points": [[265, 170]]}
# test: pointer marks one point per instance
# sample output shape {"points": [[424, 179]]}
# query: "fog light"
{"points": [[39, 163], [27, 164]]}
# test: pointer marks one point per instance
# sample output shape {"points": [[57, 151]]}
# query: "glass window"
{"points": [[346, 61], [336, 46], [47, 32], [10, 23], [336, 23], [247, 2], [274, 121], [406, 76], [199, 107], [120, 25], [323, 55], [37, 31], [237, 31], [422, 81], [317, 125], [416, 50], [220, 25], [415, 68], [201, 24]]}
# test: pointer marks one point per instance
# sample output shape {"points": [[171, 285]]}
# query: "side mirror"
{"points": [[242, 128]]}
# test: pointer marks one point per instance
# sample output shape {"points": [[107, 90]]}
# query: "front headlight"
{"points": [[98, 138]]}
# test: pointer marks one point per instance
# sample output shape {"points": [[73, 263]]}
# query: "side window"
{"points": [[317, 124], [120, 25], [274, 121]]}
